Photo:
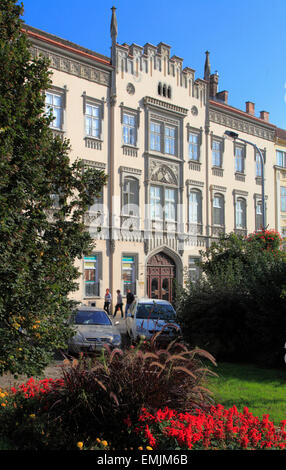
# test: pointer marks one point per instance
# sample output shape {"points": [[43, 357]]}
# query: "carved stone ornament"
{"points": [[130, 88], [162, 173], [194, 111]]}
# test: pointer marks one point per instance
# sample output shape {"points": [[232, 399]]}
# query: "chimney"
{"points": [[223, 96], [264, 115], [250, 108], [213, 84]]}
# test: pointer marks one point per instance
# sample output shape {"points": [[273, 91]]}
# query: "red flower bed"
{"points": [[217, 429], [42, 387]]}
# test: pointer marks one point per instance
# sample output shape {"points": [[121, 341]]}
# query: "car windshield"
{"points": [[155, 311], [92, 318]]}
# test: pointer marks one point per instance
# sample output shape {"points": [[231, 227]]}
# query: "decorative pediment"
{"points": [[163, 173]]}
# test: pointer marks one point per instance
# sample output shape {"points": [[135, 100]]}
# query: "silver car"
{"points": [[93, 329], [148, 316]]}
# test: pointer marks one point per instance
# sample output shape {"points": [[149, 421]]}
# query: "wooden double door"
{"points": [[161, 272]]}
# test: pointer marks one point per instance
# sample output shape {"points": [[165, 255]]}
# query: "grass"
{"points": [[262, 390]]}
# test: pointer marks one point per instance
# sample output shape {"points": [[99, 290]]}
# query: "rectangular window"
{"points": [[129, 129], [91, 284], [54, 103], [155, 136], [240, 214], [194, 269], [193, 147], [92, 121], [195, 207], [216, 153], [281, 158], [258, 164], [129, 274], [170, 204], [156, 203], [239, 159], [170, 139], [283, 198], [258, 215]]}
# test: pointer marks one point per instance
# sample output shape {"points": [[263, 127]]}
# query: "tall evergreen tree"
{"points": [[39, 242]]}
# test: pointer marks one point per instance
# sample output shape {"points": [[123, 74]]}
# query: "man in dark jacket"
{"points": [[129, 299]]}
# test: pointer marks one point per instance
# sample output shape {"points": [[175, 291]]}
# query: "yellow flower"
{"points": [[98, 440], [2, 395], [149, 448], [104, 443], [33, 416], [80, 445], [140, 448], [3, 404]]}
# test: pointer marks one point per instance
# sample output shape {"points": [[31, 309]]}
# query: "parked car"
{"points": [[148, 316], [93, 329]]}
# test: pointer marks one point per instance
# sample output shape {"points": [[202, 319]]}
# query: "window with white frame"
{"points": [[155, 136], [195, 207], [170, 140], [218, 210], [239, 159], [194, 269], [258, 162], [91, 282], [240, 213], [54, 104], [92, 120], [170, 204], [129, 273], [258, 165], [163, 138], [156, 203], [163, 203], [258, 215], [129, 129], [283, 198], [97, 206], [193, 146], [281, 158], [217, 153], [130, 199]]}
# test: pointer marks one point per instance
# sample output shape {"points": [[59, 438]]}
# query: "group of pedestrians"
{"points": [[119, 302]]}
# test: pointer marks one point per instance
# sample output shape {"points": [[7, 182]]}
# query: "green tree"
{"points": [[39, 242], [236, 310]]}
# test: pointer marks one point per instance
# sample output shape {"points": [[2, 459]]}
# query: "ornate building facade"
{"points": [[175, 181]]}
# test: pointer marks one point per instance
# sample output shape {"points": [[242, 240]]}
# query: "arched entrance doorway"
{"points": [[161, 272]]}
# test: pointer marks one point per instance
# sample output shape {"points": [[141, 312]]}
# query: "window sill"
{"points": [[93, 143], [130, 150]]}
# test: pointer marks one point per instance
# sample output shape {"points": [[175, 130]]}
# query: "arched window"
{"points": [[160, 88], [169, 92], [195, 207], [218, 209], [240, 213], [130, 199], [164, 90]]}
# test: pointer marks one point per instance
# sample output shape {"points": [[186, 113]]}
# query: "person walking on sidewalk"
{"points": [[107, 302], [119, 304], [129, 299]]}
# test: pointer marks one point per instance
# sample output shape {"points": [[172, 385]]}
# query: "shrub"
{"points": [[99, 393], [236, 309]]}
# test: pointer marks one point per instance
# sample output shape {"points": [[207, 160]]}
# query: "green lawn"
{"points": [[263, 391]]}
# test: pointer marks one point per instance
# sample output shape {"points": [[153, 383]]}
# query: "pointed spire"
{"points": [[113, 26], [207, 67]]}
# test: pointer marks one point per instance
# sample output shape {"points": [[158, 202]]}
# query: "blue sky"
{"points": [[246, 38]]}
